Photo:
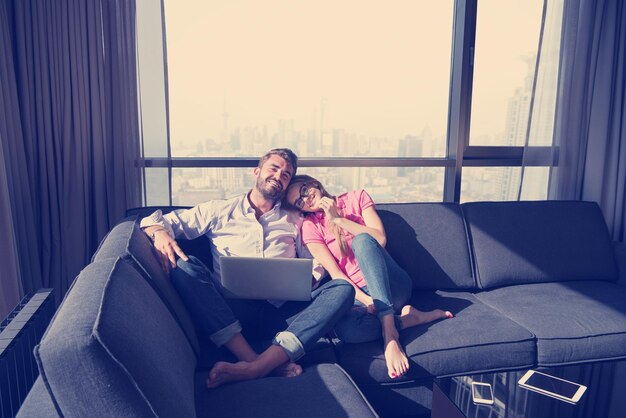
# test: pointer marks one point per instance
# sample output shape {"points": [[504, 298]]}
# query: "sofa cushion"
{"points": [[573, 322], [478, 339], [324, 390], [533, 242], [429, 241], [126, 240], [114, 349], [38, 403]]}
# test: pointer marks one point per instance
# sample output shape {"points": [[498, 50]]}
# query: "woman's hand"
{"points": [[329, 206]]}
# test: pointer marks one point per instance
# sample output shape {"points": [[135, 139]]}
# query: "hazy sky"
{"points": [[383, 68]]}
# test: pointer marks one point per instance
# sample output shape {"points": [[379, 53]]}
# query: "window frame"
{"points": [[459, 153]]}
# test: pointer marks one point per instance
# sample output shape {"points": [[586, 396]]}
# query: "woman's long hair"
{"points": [[312, 182]]}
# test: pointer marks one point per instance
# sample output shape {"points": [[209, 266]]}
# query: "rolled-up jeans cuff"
{"points": [[290, 343], [222, 336]]}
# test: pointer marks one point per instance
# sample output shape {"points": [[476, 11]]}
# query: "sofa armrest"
{"points": [[38, 403], [619, 248]]}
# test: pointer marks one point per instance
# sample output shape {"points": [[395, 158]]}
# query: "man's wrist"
{"points": [[151, 232]]}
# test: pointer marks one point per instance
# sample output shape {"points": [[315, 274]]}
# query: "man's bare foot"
{"points": [[410, 316], [397, 362], [288, 370], [223, 372]]}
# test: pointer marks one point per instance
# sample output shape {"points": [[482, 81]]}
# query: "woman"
{"points": [[346, 235]]}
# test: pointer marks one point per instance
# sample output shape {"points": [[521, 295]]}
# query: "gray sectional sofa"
{"points": [[530, 283]]}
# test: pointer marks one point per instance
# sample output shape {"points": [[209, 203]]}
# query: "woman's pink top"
{"points": [[314, 229]]}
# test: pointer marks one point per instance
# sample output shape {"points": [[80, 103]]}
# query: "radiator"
{"points": [[20, 332]]}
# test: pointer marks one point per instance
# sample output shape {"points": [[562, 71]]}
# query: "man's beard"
{"points": [[268, 191]]}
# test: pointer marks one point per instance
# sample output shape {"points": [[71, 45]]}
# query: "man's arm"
{"points": [[166, 246], [163, 229]]}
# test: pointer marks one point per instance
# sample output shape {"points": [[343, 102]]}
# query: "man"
{"points": [[249, 225]]}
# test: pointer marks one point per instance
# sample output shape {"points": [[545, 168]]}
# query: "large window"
{"points": [[505, 57], [513, 94], [325, 78], [368, 94]]}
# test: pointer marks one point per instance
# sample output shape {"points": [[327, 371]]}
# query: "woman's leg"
{"points": [[358, 326], [390, 288], [371, 258]]}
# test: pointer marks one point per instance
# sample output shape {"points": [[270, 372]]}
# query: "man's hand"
{"points": [[166, 247]]}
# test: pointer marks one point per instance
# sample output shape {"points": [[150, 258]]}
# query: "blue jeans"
{"points": [[295, 326], [388, 285]]}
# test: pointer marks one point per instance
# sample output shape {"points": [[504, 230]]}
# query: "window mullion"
{"points": [[460, 94]]}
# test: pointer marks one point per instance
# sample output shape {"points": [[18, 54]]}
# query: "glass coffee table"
{"points": [[604, 397]]}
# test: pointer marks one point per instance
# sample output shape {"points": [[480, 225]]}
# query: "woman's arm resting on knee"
{"points": [[373, 226], [323, 255]]}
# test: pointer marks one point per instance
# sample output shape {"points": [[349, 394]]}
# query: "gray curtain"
{"points": [[74, 139], [590, 126], [590, 133], [21, 255]]}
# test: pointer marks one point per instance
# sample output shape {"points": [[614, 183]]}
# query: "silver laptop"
{"points": [[266, 278]]}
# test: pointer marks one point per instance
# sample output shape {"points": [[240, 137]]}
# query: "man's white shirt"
{"points": [[234, 230]]}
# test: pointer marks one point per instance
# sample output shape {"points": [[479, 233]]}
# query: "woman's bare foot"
{"points": [[410, 316], [397, 362], [288, 370]]}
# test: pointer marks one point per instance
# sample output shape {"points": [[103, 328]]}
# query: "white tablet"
{"points": [[482, 393], [554, 387]]}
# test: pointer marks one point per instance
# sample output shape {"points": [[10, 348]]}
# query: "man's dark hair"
{"points": [[286, 154]]}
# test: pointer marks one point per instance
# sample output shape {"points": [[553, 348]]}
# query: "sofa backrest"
{"points": [[544, 241], [114, 349], [127, 241], [429, 241]]}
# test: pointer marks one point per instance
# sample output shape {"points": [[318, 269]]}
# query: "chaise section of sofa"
{"points": [[323, 390], [551, 267]]}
